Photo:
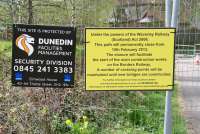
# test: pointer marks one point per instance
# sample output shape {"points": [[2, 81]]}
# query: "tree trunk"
{"points": [[30, 11]]}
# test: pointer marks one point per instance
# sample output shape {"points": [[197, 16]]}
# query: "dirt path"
{"points": [[188, 75]]}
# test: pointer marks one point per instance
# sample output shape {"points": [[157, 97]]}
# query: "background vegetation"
{"points": [[74, 111]]}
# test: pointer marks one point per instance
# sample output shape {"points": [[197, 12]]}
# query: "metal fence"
{"points": [[46, 110], [187, 63]]}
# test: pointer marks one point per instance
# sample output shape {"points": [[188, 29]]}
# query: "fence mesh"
{"points": [[50, 110], [187, 62]]}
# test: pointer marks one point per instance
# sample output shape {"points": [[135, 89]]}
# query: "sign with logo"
{"points": [[43, 56], [129, 58]]}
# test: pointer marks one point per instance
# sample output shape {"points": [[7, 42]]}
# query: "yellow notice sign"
{"points": [[129, 59]]}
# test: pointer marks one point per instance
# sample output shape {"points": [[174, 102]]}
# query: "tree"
{"points": [[30, 12]]}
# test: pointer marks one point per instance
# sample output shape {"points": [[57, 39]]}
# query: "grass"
{"points": [[144, 114], [179, 123]]}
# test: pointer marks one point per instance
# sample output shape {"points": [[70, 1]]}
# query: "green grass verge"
{"points": [[179, 123], [148, 116]]}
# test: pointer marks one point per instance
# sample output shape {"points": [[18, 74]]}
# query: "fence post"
{"points": [[168, 110], [168, 116], [175, 13]]}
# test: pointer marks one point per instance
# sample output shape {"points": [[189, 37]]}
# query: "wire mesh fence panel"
{"points": [[187, 63], [74, 110]]}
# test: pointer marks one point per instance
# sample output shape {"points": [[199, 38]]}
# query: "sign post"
{"points": [[43, 56], [168, 116], [168, 110]]}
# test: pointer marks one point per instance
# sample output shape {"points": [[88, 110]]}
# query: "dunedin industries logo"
{"points": [[24, 42]]}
